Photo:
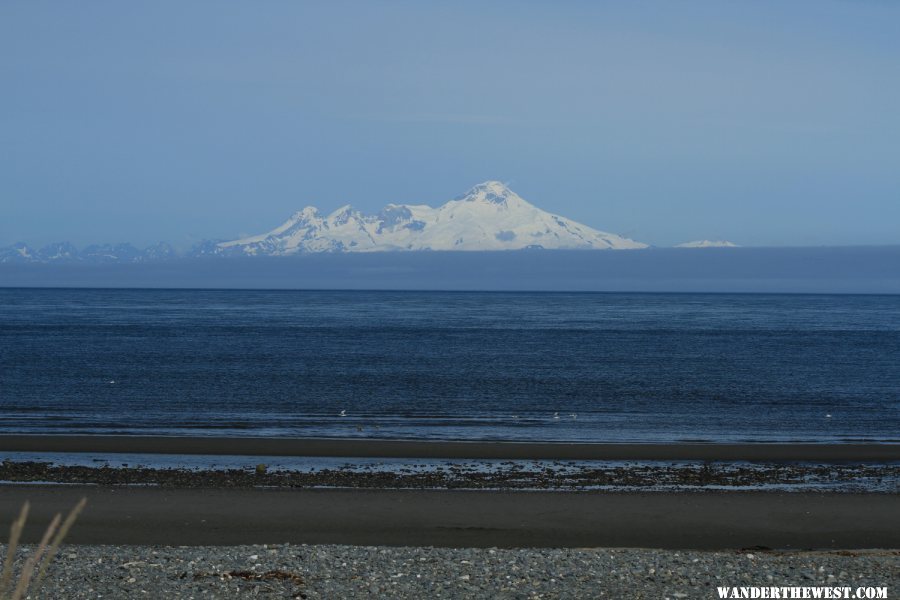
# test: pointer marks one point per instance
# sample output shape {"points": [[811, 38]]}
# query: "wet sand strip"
{"points": [[692, 520], [370, 448]]}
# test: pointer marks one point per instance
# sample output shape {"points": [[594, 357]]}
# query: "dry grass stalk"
{"points": [[28, 569], [15, 531], [43, 554]]}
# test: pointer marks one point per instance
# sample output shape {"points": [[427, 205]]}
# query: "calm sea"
{"points": [[523, 366]]}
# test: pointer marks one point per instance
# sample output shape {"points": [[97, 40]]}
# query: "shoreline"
{"points": [[383, 448], [707, 520], [429, 474]]}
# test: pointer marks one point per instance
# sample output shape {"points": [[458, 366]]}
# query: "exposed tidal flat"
{"points": [[234, 472]]}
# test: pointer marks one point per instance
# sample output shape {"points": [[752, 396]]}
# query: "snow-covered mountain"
{"points": [[490, 216], [707, 244]]}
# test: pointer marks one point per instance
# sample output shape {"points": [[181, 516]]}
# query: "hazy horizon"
{"points": [[759, 270]]}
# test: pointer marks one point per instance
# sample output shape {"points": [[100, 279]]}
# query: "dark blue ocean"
{"points": [[523, 366]]}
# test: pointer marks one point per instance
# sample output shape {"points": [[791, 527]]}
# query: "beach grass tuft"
{"points": [[40, 559]]}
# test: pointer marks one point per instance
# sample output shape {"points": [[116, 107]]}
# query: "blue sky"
{"points": [[766, 123]]}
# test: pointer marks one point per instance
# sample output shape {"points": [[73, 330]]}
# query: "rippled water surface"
{"points": [[599, 367]]}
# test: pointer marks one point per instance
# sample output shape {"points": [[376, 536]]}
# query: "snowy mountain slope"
{"points": [[490, 216]]}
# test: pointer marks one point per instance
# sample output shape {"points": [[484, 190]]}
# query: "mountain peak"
{"points": [[343, 210], [493, 192], [308, 212]]}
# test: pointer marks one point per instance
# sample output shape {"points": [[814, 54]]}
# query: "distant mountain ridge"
{"points": [[490, 216], [95, 253]]}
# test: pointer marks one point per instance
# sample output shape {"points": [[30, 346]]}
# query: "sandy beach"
{"points": [[376, 448], [699, 520]]}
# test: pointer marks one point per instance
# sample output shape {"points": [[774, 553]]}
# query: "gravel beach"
{"points": [[301, 571]]}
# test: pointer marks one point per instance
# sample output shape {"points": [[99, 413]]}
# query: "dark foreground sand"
{"points": [[697, 520], [373, 448]]}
